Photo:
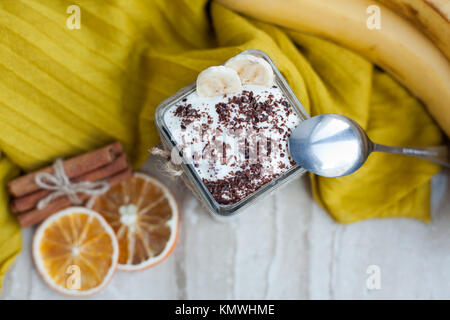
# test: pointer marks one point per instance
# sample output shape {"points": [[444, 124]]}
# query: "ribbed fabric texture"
{"points": [[63, 92]]}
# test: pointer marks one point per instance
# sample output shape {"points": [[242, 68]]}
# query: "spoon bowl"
{"points": [[333, 145]]}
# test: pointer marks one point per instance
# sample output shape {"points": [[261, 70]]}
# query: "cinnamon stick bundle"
{"points": [[109, 164], [31, 200], [73, 167], [34, 216]]}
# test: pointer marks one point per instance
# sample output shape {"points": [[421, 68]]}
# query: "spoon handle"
{"points": [[438, 154]]}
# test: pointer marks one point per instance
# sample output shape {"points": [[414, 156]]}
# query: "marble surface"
{"points": [[284, 247]]}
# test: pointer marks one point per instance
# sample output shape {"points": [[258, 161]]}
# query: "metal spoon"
{"points": [[334, 145]]}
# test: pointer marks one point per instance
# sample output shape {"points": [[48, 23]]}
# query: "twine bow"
{"points": [[61, 185], [171, 167]]}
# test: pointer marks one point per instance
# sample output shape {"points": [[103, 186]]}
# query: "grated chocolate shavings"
{"points": [[265, 112]]}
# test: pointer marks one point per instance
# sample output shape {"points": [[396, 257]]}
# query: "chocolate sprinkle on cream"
{"points": [[238, 142]]}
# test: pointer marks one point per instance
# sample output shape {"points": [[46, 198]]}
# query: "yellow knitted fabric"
{"points": [[64, 91]]}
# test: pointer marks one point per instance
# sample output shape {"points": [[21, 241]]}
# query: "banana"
{"points": [[397, 46], [430, 16], [216, 81], [252, 70]]}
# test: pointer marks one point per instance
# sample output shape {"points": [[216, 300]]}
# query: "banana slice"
{"points": [[216, 81], [252, 70]]}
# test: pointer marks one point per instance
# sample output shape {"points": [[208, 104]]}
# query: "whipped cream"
{"points": [[236, 142]]}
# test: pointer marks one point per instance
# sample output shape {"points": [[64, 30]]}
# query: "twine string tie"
{"points": [[61, 185]]}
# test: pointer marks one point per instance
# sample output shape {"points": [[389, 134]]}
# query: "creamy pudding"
{"points": [[237, 142]]}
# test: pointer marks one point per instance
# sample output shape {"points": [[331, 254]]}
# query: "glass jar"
{"points": [[191, 176]]}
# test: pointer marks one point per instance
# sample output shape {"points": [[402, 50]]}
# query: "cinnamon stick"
{"points": [[34, 216], [73, 167], [30, 201]]}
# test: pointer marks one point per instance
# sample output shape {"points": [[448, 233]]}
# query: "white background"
{"points": [[284, 247]]}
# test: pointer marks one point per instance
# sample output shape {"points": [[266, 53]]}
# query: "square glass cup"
{"points": [[190, 174]]}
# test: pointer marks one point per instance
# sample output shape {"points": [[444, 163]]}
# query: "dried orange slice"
{"points": [[75, 251], [145, 218]]}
